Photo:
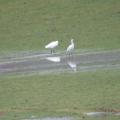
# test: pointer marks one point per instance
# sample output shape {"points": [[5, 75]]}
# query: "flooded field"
{"points": [[85, 116], [50, 118], [41, 63]]}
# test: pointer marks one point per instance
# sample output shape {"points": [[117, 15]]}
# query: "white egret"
{"points": [[52, 45], [70, 48]]}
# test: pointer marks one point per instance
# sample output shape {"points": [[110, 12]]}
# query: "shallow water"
{"points": [[47, 63], [50, 118], [95, 115], [102, 114]]}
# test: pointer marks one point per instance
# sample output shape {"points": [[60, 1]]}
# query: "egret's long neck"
{"points": [[72, 42]]}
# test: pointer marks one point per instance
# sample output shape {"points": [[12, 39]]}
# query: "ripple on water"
{"points": [[50, 118], [57, 118], [102, 114]]}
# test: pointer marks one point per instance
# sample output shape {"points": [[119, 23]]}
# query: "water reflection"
{"points": [[72, 65], [53, 59], [102, 114], [70, 62], [50, 118], [57, 118], [96, 114]]}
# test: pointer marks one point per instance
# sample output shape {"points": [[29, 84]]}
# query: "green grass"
{"points": [[70, 94], [30, 24]]}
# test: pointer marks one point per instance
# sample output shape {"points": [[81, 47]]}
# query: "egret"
{"points": [[52, 45], [70, 48]]}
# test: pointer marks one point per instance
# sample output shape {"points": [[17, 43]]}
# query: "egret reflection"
{"points": [[72, 65], [70, 62], [53, 59]]}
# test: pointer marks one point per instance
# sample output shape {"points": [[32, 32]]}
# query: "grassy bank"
{"points": [[27, 25], [61, 94], [30, 24]]}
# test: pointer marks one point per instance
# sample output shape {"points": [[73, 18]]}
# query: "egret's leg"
{"points": [[69, 55], [51, 51]]}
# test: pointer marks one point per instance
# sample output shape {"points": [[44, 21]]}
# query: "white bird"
{"points": [[70, 48], [52, 45]]}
